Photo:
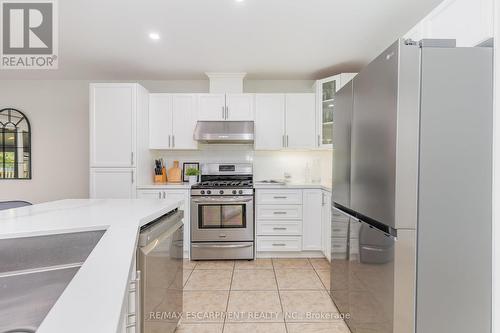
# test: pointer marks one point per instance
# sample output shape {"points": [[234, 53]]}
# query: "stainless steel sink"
{"points": [[34, 271]]}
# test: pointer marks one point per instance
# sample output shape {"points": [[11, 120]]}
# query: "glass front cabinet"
{"points": [[325, 95]]}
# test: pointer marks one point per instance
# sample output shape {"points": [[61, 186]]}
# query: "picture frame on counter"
{"points": [[189, 165]]}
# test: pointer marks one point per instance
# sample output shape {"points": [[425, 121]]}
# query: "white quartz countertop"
{"points": [[258, 185], [160, 186], [92, 302]]}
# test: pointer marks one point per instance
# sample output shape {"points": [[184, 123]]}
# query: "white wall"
{"points": [[267, 164], [470, 22], [58, 112]]}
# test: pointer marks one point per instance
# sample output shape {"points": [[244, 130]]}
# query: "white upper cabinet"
{"points": [[325, 95], [300, 121], [184, 118], [269, 121], [212, 106], [226, 106], [240, 107], [113, 109], [469, 22], [160, 121], [172, 119]]}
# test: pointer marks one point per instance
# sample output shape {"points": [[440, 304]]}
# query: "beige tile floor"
{"points": [[261, 296]]}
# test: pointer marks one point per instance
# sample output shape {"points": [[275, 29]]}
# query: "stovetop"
{"points": [[215, 184]]}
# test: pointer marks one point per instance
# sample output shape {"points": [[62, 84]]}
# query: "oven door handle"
{"points": [[221, 199], [223, 246]]}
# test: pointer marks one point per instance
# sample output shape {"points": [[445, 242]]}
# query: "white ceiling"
{"points": [[268, 39]]}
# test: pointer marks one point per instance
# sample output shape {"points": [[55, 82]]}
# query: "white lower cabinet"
{"points": [[279, 228], [279, 212], [112, 183], [172, 194], [282, 243], [329, 227], [289, 220], [312, 227]]}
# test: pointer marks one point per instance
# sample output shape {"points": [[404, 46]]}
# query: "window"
{"points": [[15, 145]]}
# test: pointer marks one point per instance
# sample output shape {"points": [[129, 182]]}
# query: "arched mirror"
{"points": [[15, 145]]}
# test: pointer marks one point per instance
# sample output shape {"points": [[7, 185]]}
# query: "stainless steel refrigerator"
{"points": [[412, 193]]}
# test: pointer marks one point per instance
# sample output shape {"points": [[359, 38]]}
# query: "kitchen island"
{"points": [[94, 299]]}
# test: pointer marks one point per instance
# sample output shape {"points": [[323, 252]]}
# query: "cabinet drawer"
{"points": [[339, 229], [279, 228], [269, 243], [273, 197], [279, 212]]}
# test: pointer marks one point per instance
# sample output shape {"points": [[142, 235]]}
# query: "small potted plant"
{"points": [[192, 174]]}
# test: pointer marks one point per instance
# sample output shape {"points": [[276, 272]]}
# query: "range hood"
{"points": [[241, 132]]}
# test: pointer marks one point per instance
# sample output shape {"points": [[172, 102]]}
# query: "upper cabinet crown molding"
{"points": [[226, 82]]}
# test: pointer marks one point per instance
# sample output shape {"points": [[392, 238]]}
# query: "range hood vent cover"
{"points": [[224, 132]]}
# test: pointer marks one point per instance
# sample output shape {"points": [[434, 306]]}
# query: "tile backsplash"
{"points": [[267, 164]]}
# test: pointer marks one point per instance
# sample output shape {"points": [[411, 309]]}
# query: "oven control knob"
{"points": [[202, 192], [234, 191], [221, 192], [240, 191], [209, 192]]}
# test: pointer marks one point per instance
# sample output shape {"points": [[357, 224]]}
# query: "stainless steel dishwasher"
{"points": [[160, 260]]}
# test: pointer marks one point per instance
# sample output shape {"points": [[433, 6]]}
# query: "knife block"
{"points": [[158, 179]]}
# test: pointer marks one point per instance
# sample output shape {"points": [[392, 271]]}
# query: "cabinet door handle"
{"points": [[319, 140], [279, 228], [132, 175], [132, 158], [159, 195], [223, 112], [169, 141], [164, 195], [280, 244], [283, 141], [279, 197], [287, 140], [279, 213], [173, 141]]}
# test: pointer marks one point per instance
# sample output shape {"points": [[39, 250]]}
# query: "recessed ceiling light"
{"points": [[154, 36], [239, 0]]}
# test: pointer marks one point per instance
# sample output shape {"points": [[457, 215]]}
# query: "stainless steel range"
{"points": [[222, 212]]}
